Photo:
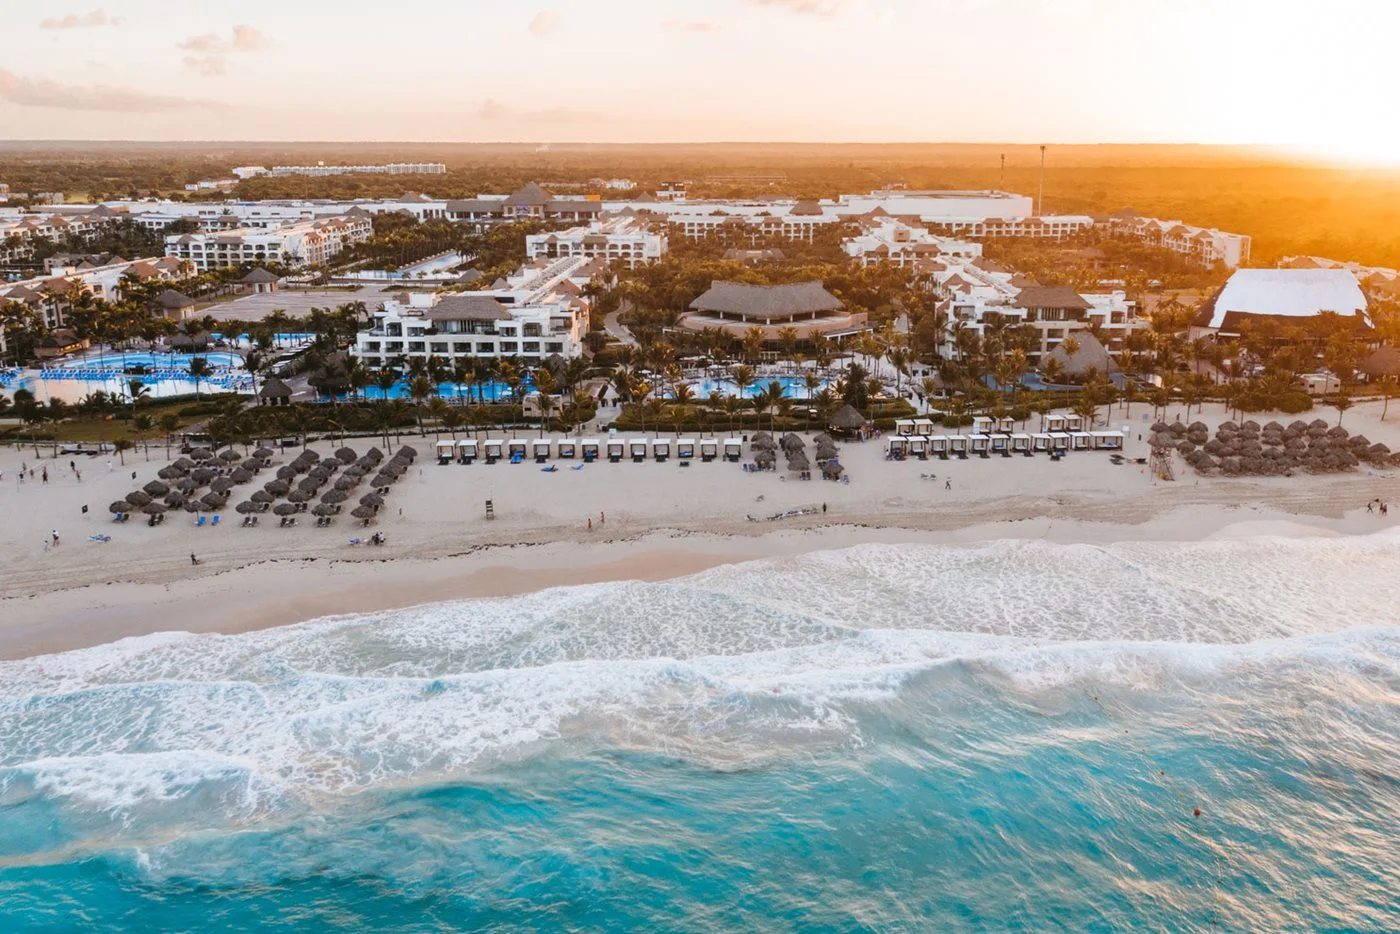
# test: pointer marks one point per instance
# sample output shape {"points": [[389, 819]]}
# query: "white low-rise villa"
{"points": [[617, 239], [301, 243]]}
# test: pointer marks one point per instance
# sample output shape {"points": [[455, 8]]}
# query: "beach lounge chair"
{"points": [[578, 466], [200, 523], [215, 521]]}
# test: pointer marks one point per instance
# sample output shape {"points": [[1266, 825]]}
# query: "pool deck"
{"points": [[295, 302]]}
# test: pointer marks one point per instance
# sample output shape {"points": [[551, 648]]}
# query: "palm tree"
{"points": [[121, 446], [198, 370], [420, 388], [385, 379], [743, 378], [1341, 402], [144, 423], [439, 409], [1388, 387], [169, 422]]}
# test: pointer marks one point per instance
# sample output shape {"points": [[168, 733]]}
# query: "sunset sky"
{"points": [[1316, 76]]}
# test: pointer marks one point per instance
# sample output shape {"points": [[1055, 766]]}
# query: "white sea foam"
{"points": [[736, 662]]}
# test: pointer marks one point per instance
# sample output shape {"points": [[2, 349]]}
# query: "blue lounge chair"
{"points": [[216, 521], [200, 523]]}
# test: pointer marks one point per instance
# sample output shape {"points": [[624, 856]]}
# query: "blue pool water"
{"points": [[119, 361], [1013, 736], [73, 378], [794, 387], [468, 393]]}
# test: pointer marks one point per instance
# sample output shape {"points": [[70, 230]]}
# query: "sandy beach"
{"points": [[661, 521]]}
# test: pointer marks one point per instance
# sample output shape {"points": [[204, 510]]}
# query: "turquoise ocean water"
{"points": [[1013, 736]]}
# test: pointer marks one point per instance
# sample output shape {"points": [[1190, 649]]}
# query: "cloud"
{"points": [[42, 92], [87, 20], [211, 66], [212, 50], [209, 42], [249, 39], [494, 111], [544, 23], [692, 25], [806, 7]]}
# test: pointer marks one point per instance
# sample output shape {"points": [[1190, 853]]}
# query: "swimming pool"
{"points": [[117, 362], [794, 387], [468, 392], [162, 374]]}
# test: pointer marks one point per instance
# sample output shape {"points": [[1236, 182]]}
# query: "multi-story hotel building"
{"points": [[620, 239], [1205, 245], [536, 314], [304, 243]]}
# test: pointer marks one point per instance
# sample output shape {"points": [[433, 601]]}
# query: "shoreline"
{"points": [[275, 592]]}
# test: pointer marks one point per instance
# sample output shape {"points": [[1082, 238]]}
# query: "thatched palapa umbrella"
{"points": [[262, 496], [183, 463], [156, 488], [346, 455], [334, 496], [202, 475], [170, 473], [309, 484], [797, 461], [229, 455], [286, 509], [832, 470], [347, 482], [791, 442], [264, 453], [765, 459], [120, 506], [363, 512], [153, 509], [277, 487], [247, 506], [241, 476], [214, 500], [201, 454], [372, 500], [300, 496], [139, 497], [323, 511]]}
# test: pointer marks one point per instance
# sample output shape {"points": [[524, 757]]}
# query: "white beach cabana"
{"points": [[938, 446], [516, 446], [918, 447], [617, 449], [1052, 423], [1107, 440], [1059, 441], [957, 445], [467, 450], [446, 450], [492, 449], [923, 426], [1042, 441], [979, 444], [568, 448], [685, 448], [983, 424], [1081, 441], [904, 426], [1021, 444], [1074, 423], [541, 448], [709, 449], [590, 449], [661, 448], [733, 449], [637, 448], [1001, 444], [897, 445]]}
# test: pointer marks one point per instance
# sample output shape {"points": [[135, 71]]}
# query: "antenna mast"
{"points": [[1040, 200]]}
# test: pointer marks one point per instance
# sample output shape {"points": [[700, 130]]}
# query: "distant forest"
{"points": [[1288, 207]]}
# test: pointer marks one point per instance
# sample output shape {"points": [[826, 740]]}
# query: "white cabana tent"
{"points": [[467, 450], [733, 449], [446, 450], [709, 449], [685, 448]]}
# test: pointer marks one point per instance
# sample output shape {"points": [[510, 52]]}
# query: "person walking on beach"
{"points": [[109, 466], [602, 518], [590, 523], [55, 538], [45, 474], [73, 466], [948, 484], [1385, 508], [193, 559]]}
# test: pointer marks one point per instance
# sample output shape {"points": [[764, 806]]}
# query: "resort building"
{"points": [[304, 243], [896, 243], [53, 295], [803, 309], [19, 230], [1281, 297], [620, 239], [393, 168], [537, 313], [529, 203], [1205, 245], [1047, 227]]}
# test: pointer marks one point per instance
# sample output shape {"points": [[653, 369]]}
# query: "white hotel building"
{"points": [[302, 243], [619, 239], [1206, 245], [538, 313], [890, 241]]}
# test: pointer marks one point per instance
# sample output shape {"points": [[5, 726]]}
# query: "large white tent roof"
{"points": [[1293, 293]]}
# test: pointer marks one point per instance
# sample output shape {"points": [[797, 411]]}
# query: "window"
{"points": [[486, 347], [532, 330], [393, 347], [532, 347], [509, 347], [438, 347], [554, 347], [415, 346]]}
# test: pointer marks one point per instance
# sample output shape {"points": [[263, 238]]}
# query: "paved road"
{"points": [[617, 330]]}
